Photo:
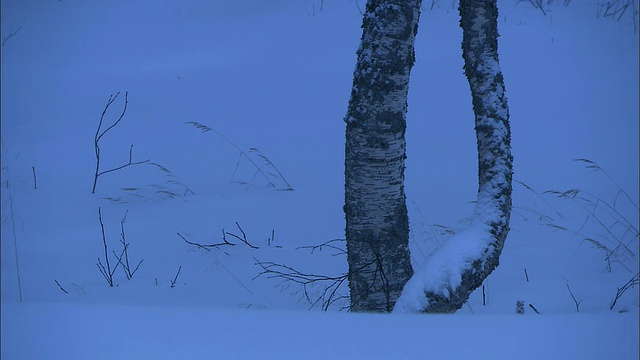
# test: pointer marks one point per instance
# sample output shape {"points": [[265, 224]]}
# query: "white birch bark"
{"points": [[377, 228], [449, 276]]}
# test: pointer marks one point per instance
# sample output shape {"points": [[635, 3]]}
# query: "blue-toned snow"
{"points": [[276, 76]]}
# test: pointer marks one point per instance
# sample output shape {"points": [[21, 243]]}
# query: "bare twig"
{"points": [[635, 280], [272, 238], [125, 165], [107, 272], [574, 299], [243, 238], [100, 133], [60, 286], [534, 308], [207, 246], [484, 298], [11, 34], [328, 295], [175, 279], [328, 244], [125, 249]]}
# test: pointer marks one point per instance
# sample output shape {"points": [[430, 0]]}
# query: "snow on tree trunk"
{"points": [[449, 276], [377, 225]]}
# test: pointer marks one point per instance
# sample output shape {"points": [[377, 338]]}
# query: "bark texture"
{"points": [[377, 225], [479, 22], [476, 250]]}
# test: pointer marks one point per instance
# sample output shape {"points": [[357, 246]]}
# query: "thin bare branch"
{"points": [[243, 238], [207, 246], [124, 110], [60, 286], [11, 34], [328, 244], [635, 280], [574, 299], [326, 297], [106, 271], [175, 279]]}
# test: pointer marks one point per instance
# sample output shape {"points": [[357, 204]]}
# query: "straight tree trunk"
{"points": [[453, 272], [377, 227]]}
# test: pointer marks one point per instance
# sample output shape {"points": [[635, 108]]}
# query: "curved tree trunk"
{"points": [[377, 226], [445, 281]]}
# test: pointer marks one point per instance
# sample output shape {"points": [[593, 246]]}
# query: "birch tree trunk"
{"points": [[377, 227], [451, 274]]}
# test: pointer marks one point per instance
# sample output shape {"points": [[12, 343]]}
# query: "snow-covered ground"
{"points": [[276, 76]]}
